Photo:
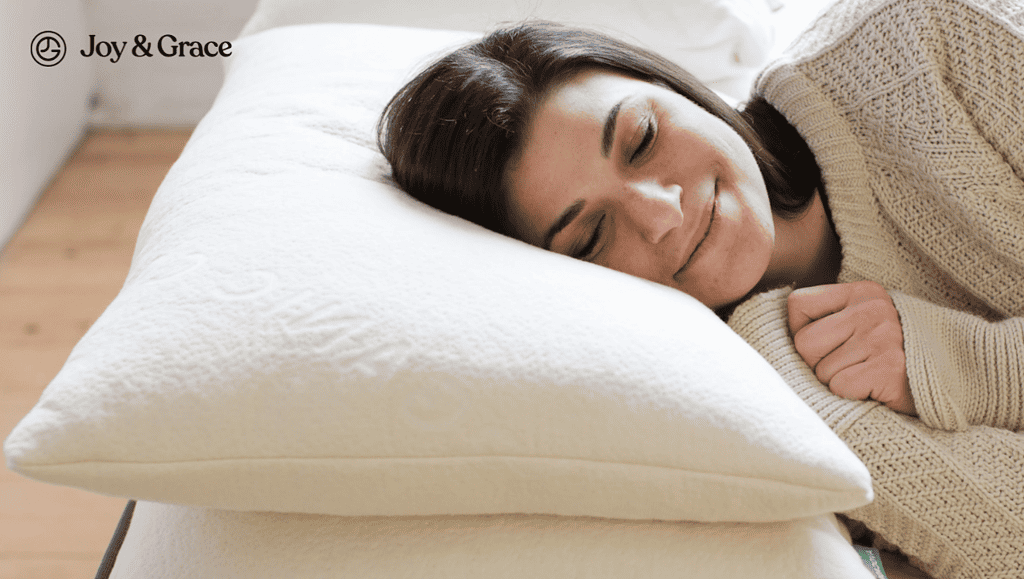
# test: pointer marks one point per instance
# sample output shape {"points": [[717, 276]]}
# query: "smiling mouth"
{"points": [[707, 231]]}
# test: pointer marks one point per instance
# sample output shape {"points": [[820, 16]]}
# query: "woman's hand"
{"points": [[850, 335]]}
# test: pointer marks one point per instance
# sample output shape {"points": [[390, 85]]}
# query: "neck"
{"points": [[807, 250]]}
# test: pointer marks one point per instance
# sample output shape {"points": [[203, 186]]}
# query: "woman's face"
{"points": [[638, 178]]}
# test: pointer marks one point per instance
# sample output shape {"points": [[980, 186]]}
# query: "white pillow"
{"points": [[296, 334], [168, 541], [724, 43]]}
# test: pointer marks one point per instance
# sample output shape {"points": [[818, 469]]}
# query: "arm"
{"points": [[964, 370], [953, 501], [951, 368]]}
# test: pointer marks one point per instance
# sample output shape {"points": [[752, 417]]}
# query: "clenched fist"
{"points": [[850, 335]]}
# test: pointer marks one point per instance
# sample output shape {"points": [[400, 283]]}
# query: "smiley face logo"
{"points": [[48, 48]]}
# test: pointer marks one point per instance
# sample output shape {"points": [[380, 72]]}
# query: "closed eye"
{"points": [[587, 252], [650, 132]]}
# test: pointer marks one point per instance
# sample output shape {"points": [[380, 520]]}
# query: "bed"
{"points": [[309, 374]]}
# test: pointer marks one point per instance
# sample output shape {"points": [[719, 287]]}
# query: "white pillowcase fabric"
{"points": [[166, 541], [298, 335], [724, 43]]}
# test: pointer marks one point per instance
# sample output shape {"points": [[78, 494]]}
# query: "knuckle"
{"points": [[795, 300], [866, 289], [867, 285], [840, 386], [792, 304], [874, 308], [821, 371], [894, 329], [805, 346], [844, 384], [888, 335], [802, 343], [895, 361], [878, 312]]}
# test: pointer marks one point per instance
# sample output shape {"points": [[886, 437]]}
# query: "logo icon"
{"points": [[48, 48]]}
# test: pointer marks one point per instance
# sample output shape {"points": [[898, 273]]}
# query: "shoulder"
{"points": [[879, 18]]}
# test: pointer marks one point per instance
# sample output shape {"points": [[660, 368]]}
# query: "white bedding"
{"points": [[296, 335], [182, 541], [167, 541], [724, 43]]}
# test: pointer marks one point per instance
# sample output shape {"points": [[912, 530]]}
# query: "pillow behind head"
{"points": [[296, 334], [724, 43]]}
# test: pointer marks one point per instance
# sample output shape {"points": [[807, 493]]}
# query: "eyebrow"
{"points": [[562, 222], [609, 129]]}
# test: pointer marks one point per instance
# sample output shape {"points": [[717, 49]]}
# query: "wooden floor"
{"points": [[57, 274]]}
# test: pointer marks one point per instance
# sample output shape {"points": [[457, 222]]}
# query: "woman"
{"points": [[878, 169]]}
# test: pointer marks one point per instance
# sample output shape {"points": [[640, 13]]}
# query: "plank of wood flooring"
{"points": [[47, 568], [57, 274], [51, 529]]}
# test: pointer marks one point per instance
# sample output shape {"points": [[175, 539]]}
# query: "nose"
{"points": [[654, 208]]}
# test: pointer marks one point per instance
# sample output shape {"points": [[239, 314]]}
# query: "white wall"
{"points": [[45, 110], [160, 90], [42, 110]]}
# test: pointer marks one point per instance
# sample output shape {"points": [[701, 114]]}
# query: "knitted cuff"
{"points": [[763, 322], [963, 370]]}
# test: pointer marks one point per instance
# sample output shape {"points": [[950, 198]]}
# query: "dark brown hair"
{"points": [[450, 133]]}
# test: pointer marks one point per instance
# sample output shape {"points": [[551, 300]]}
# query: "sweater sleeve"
{"points": [[963, 370], [952, 501]]}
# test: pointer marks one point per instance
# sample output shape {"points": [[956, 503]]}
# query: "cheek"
{"points": [[629, 256], [738, 261], [751, 247]]}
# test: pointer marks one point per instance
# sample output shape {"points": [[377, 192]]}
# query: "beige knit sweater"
{"points": [[915, 111]]}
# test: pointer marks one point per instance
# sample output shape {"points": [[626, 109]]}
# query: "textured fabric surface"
{"points": [[911, 116], [295, 334], [952, 501], [912, 109], [172, 541], [723, 42]]}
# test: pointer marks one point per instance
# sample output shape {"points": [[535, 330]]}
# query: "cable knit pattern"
{"points": [[952, 501], [914, 110]]}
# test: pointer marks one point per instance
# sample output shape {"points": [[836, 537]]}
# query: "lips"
{"points": [[707, 219]]}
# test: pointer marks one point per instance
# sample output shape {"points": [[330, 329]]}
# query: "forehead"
{"points": [[561, 154], [586, 94]]}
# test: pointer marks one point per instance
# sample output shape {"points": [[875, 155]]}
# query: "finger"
{"points": [[821, 337], [891, 386], [850, 353], [813, 303], [904, 403], [876, 379], [852, 382]]}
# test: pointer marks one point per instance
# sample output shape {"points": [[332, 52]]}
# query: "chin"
{"points": [[720, 299], [724, 301]]}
